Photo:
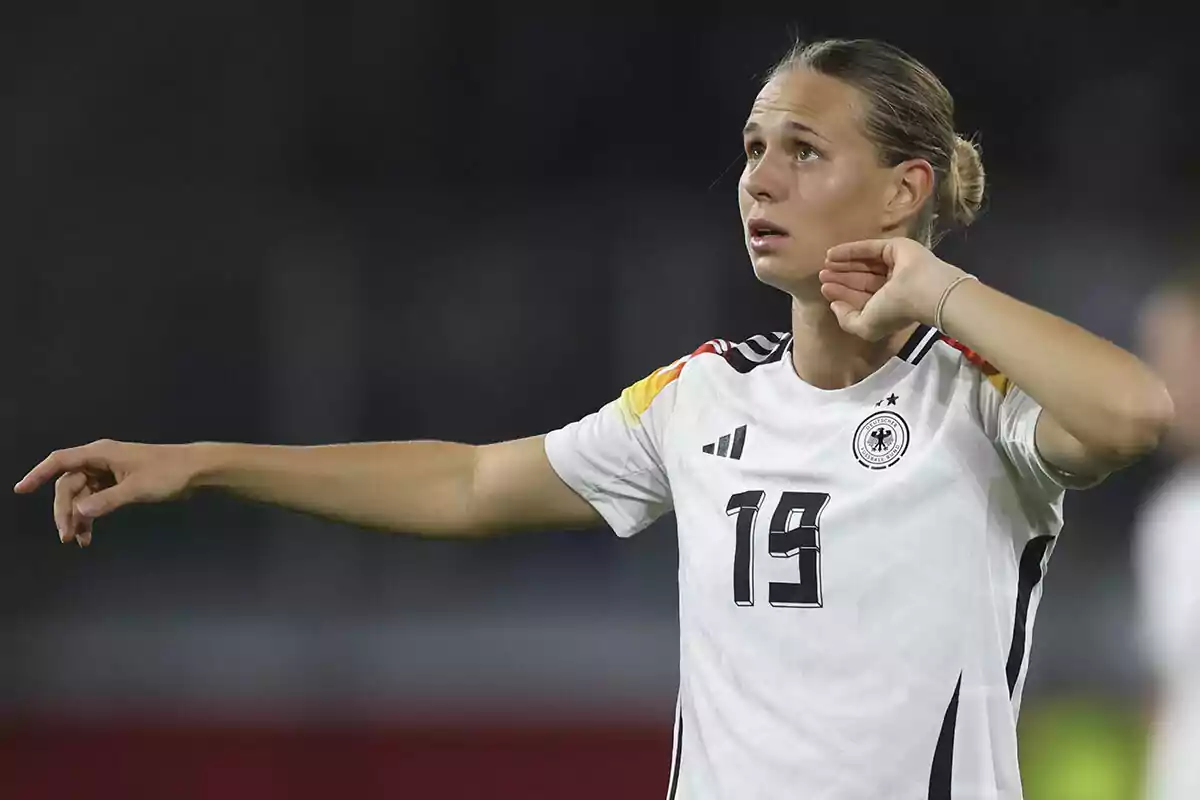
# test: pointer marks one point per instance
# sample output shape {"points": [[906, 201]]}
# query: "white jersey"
{"points": [[859, 568], [1167, 558]]}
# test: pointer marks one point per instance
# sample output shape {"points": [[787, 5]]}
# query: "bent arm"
{"points": [[1102, 408], [422, 487]]}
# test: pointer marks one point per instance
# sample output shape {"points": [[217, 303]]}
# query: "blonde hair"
{"points": [[911, 116]]}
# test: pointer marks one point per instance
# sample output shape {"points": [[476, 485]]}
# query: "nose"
{"points": [[764, 179]]}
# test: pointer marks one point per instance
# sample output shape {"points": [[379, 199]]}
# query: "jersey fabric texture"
{"points": [[859, 568]]}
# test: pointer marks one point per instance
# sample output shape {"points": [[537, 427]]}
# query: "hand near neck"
{"points": [[827, 357]]}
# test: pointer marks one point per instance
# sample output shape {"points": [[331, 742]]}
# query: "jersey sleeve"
{"points": [[1010, 419], [614, 457]]}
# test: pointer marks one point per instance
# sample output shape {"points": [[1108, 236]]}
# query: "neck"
{"points": [[827, 357]]}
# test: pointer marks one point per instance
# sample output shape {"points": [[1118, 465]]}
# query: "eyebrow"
{"points": [[753, 127]]}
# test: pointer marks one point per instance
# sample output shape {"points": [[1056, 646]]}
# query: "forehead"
{"points": [[826, 104]]}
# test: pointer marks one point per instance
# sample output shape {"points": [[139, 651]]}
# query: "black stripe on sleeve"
{"points": [[739, 361], [757, 348], [1029, 575], [777, 353], [744, 357], [941, 773], [723, 445]]}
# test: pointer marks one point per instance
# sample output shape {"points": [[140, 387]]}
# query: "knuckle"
{"points": [[69, 481]]}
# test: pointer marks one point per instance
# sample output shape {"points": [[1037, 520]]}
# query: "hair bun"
{"points": [[965, 182]]}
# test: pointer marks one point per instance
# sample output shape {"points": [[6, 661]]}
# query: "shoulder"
{"points": [[762, 348], [740, 357], [954, 349]]}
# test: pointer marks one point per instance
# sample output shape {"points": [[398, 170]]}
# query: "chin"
{"points": [[781, 272]]}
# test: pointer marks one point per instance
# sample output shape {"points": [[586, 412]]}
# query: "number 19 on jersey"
{"points": [[795, 532]]}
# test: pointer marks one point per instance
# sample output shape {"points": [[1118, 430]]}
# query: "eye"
{"points": [[754, 149], [805, 151]]}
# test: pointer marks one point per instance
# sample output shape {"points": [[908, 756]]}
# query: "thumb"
{"points": [[847, 315], [107, 501]]}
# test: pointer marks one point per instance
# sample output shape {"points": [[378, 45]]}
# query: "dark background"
{"points": [[316, 222]]}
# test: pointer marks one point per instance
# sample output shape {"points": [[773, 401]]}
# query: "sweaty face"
{"points": [[812, 178]]}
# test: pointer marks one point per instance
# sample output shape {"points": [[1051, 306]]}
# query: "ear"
{"points": [[909, 187]]}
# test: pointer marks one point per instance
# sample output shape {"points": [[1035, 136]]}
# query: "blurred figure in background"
{"points": [[1167, 546]]}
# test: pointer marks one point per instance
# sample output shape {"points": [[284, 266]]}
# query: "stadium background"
{"points": [[315, 222]]}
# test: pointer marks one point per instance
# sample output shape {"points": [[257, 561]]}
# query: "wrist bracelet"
{"points": [[937, 314]]}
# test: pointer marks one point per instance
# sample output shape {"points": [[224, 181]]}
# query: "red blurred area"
{"points": [[43, 761]]}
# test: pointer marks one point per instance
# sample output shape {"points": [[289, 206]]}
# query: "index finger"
{"points": [[59, 461], [865, 250]]}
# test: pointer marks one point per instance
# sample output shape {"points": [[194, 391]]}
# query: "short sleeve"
{"points": [[614, 457], [1010, 418]]}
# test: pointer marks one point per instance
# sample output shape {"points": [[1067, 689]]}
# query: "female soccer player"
{"points": [[865, 505]]}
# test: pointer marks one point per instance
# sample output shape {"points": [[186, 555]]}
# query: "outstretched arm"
{"points": [[430, 488]]}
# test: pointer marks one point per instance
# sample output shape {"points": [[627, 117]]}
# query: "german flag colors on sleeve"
{"points": [[614, 457], [996, 378], [636, 399], [1009, 418]]}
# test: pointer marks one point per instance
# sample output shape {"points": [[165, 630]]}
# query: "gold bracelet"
{"points": [[937, 314]]}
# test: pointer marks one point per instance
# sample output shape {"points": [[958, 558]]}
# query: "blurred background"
{"points": [[313, 222]]}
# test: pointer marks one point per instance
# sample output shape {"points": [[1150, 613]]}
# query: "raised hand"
{"points": [[98, 478], [879, 286]]}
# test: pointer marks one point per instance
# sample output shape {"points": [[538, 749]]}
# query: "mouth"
{"points": [[764, 235]]}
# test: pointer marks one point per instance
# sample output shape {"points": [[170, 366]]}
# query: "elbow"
{"points": [[1140, 424]]}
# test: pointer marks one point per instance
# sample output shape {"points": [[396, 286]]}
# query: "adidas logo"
{"points": [[730, 444]]}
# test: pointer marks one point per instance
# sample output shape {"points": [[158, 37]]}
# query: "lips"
{"points": [[765, 236], [759, 228]]}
